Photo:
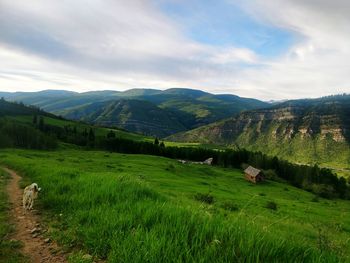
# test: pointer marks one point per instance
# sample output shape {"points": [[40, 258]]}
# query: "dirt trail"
{"points": [[28, 228]]}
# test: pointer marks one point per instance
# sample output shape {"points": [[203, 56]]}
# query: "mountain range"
{"points": [[148, 111], [304, 131]]}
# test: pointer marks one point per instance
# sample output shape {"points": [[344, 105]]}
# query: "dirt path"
{"points": [[28, 228]]}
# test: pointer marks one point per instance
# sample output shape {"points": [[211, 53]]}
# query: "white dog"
{"points": [[29, 194]]}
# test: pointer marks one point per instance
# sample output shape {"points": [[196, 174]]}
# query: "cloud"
{"points": [[117, 42], [93, 45], [318, 64]]}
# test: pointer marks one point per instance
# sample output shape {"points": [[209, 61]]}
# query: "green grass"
{"points": [[9, 249], [137, 208]]}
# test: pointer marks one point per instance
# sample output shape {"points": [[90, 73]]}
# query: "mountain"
{"points": [[30, 127], [187, 108], [305, 131], [133, 115]]}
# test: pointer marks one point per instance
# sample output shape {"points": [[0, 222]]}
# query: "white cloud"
{"points": [[90, 45], [319, 64]]}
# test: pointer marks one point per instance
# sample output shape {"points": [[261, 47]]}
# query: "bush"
{"points": [[270, 174], [315, 199], [170, 167], [229, 206], [323, 190], [205, 198], [271, 205]]}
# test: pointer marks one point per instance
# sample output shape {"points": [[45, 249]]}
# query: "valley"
{"points": [[150, 112], [107, 191], [171, 131]]}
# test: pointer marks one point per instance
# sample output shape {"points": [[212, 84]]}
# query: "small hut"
{"points": [[253, 175], [208, 161]]}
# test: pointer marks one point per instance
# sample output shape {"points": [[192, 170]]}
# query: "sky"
{"points": [[265, 49]]}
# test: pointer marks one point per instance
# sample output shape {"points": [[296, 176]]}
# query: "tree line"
{"points": [[321, 181], [41, 135], [14, 134]]}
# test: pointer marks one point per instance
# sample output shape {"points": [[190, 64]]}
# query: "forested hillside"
{"points": [[305, 131], [133, 115], [159, 113]]}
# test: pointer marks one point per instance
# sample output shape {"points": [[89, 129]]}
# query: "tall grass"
{"points": [[122, 219]]}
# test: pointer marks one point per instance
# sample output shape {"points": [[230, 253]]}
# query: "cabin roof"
{"points": [[252, 171]]}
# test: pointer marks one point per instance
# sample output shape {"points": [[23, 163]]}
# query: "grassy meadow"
{"points": [[138, 208]]}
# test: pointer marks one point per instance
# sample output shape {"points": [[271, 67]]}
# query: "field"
{"points": [[138, 208]]}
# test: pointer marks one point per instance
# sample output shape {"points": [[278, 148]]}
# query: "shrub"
{"points": [[205, 198], [170, 167], [270, 174], [323, 190], [271, 205], [315, 199], [229, 206]]}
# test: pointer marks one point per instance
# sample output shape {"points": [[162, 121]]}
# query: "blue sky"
{"points": [[223, 23], [266, 49]]}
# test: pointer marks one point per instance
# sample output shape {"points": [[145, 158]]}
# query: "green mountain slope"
{"points": [[305, 131], [12, 109], [132, 115], [128, 208], [193, 108], [16, 121]]}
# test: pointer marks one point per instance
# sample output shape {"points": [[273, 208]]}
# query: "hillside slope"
{"points": [[133, 115], [12, 109], [306, 131], [193, 108], [124, 208], [20, 126]]}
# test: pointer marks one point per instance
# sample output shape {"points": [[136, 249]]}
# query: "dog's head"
{"points": [[36, 188]]}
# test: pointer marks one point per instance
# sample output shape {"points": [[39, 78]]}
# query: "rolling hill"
{"points": [[17, 127], [137, 208], [304, 131], [13, 109], [186, 108], [133, 115]]}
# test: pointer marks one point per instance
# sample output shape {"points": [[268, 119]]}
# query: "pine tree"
{"points": [[156, 141], [85, 133], [111, 134], [91, 135], [35, 119], [41, 123]]}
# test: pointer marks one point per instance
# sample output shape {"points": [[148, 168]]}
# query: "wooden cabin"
{"points": [[253, 175]]}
